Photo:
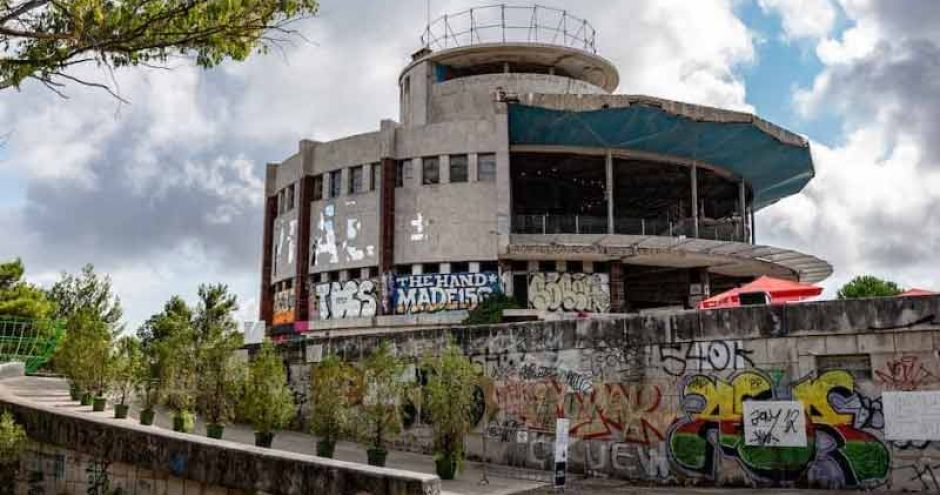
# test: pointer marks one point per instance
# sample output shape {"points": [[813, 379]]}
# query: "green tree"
{"points": [[864, 286], [19, 298], [176, 314], [12, 445], [330, 389], [89, 292], [490, 310], [381, 415], [42, 39], [267, 402], [127, 361], [448, 401]]}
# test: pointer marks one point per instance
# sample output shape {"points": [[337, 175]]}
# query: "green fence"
{"points": [[32, 342]]}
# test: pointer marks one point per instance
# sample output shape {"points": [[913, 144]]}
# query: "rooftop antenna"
{"points": [[427, 35]]}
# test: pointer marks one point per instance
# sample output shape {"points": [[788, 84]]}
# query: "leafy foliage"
{"points": [[448, 399], [868, 286], [85, 352], [176, 315], [127, 361], [380, 412], [12, 439], [40, 39], [221, 378], [18, 298], [330, 390], [267, 402], [87, 292], [490, 311]]}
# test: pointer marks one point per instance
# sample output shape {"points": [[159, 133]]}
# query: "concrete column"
{"points": [[387, 215], [301, 282], [694, 175], [742, 209], [609, 166], [266, 307]]}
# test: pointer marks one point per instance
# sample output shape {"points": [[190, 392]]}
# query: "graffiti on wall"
{"points": [[349, 299], [837, 448], [434, 292], [284, 307], [330, 245], [284, 243], [553, 291], [906, 373], [679, 358]]}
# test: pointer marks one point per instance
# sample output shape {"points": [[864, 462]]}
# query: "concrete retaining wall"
{"points": [[166, 460], [660, 398]]}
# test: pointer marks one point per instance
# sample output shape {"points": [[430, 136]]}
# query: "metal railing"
{"points": [[503, 23], [719, 230]]}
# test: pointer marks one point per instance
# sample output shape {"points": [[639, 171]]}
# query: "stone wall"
{"points": [[661, 398], [73, 452]]}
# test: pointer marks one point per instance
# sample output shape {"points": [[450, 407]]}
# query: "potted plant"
{"points": [[148, 384], [329, 394], [220, 377], [12, 445], [178, 378], [101, 368], [380, 412], [267, 402], [127, 360], [448, 401]]}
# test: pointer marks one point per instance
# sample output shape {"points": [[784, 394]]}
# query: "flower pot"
{"points": [[75, 393], [377, 456], [184, 422], [120, 411], [146, 417], [325, 448], [98, 404], [446, 466], [87, 399], [264, 438], [214, 430]]}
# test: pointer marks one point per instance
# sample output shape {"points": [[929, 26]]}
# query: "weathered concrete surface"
{"points": [[210, 463], [646, 394]]}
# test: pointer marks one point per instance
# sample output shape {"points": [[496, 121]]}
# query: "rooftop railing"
{"points": [[719, 230], [503, 23]]}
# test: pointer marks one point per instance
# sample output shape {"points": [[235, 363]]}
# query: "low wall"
{"points": [[661, 398], [76, 452]]}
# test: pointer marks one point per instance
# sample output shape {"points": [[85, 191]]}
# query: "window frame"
{"points": [[490, 174], [466, 167], [317, 193], [352, 187], [425, 161], [336, 183]]}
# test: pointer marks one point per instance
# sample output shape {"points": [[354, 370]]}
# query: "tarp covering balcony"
{"points": [[780, 292], [774, 162]]}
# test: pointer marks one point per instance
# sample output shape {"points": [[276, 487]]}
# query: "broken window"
{"points": [[430, 170], [458, 168]]}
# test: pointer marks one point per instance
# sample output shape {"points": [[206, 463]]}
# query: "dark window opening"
{"points": [[458, 168], [430, 268], [459, 267], [547, 266], [290, 197], [430, 170], [558, 194], [336, 183], [489, 266], [355, 180], [400, 173], [574, 266], [519, 266], [374, 175], [317, 187], [486, 167]]}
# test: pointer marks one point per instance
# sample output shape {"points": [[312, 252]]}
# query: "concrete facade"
{"points": [[647, 396], [451, 173]]}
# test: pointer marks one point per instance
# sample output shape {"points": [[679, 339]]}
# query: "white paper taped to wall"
{"points": [[774, 423], [911, 415]]}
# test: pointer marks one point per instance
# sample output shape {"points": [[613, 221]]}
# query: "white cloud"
{"points": [[803, 18]]}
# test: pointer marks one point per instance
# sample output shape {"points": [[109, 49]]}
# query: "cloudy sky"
{"points": [[165, 192]]}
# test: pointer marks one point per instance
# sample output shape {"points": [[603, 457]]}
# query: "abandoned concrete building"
{"points": [[514, 168]]}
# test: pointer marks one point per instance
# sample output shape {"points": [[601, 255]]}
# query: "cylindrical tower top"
{"points": [[503, 23]]}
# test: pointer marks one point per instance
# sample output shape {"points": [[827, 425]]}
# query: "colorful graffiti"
{"points": [[431, 293], [284, 307], [680, 358], [906, 373], [836, 450], [552, 291], [349, 299]]}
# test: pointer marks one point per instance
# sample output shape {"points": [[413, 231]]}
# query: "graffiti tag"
{"points": [[435, 292], [553, 291]]}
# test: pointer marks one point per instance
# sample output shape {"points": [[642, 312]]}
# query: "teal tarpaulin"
{"points": [[772, 168]]}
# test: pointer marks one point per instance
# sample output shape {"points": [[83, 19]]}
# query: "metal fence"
{"points": [[32, 342], [503, 23], [718, 230]]}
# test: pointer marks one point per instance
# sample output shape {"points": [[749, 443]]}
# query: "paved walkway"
{"points": [[54, 391]]}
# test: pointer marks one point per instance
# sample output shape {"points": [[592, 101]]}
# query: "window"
{"points": [[355, 180], [490, 266], [374, 175], [459, 267], [486, 167], [574, 266], [430, 268], [317, 187], [517, 266], [548, 266], [430, 170], [858, 365], [400, 173], [336, 183], [458, 168], [290, 197]]}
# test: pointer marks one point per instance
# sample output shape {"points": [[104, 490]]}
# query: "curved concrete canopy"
{"points": [[579, 64], [735, 259]]}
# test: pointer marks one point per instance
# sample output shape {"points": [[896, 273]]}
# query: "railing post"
{"points": [[694, 173], [543, 224], [502, 15], [642, 226], [577, 227]]}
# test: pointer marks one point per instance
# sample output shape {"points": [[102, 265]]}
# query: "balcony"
{"points": [[733, 230]]}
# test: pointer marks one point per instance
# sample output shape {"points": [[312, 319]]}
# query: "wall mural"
{"points": [[349, 299], [284, 243], [332, 245], [284, 307], [434, 292], [552, 291]]}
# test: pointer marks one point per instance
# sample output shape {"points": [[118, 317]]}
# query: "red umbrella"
{"points": [[780, 292], [917, 292]]}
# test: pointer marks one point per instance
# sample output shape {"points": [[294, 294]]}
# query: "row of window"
{"points": [[458, 166], [373, 271]]}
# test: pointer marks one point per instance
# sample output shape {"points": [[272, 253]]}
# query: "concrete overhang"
{"points": [[735, 259], [579, 64]]}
